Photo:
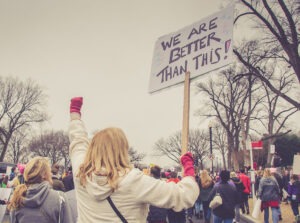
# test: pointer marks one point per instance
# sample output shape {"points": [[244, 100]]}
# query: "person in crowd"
{"points": [[156, 214], [173, 177], [279, 180], [198, 204], [68, 180], [107, 184], [224, 212], [240, 188], [276, 161], [4, 182], [71, 197], [286, 180], [258, 177], [247, 184], [216, 177], [21, 168], [35, 201], [15, 181], [57, 183], [12, 173], [175, 216], [189, 213], [206, 185], [268, 192], [294, 194], [19, 178]]}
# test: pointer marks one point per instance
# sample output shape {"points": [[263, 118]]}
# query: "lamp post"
{"points": [[210, 146]]}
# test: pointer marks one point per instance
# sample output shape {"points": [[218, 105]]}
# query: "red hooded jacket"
{"points": [[246, 181]]}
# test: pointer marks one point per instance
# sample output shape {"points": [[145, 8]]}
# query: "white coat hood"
{"points": [[98, 187]]}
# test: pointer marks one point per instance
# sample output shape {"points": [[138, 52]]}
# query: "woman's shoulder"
{"points": [[131, 175]]}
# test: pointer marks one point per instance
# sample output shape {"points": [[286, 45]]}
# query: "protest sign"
{"points": [[5, 193], [198, 48], [4, 196], [296, 165]]}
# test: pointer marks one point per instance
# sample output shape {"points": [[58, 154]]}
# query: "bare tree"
{"points": [[220, 142], [272, 112], [277, 23], [65, 151], [277, 113], [53, 144], [228, 101], [135, 156], [199, 146], [171, 147], [17, 151], [21, 105]]}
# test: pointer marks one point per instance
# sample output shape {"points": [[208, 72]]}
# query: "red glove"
{"points": [[76, 104], [187, 162]]}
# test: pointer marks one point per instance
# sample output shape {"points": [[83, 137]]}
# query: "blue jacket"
{"points": [[268, 189], [294, 189]]}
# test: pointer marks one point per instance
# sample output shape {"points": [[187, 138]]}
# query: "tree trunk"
{"points": [[5, 146], [224, 160], [235, 160]]}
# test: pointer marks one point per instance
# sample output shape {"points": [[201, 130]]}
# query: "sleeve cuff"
{"points": [[75, 116]]}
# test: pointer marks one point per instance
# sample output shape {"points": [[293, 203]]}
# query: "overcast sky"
{"points": [[101, 50]]}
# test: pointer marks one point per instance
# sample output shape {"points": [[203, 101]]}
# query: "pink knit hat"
{"points": [[21, 167]]}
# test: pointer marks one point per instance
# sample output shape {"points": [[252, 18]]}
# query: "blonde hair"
{"points": [[267, 173], [233, 174], [260, 173], [108, 151], [36, 171], [206, 180]]}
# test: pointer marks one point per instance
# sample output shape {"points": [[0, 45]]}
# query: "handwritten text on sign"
{"points": [[199, 48]]}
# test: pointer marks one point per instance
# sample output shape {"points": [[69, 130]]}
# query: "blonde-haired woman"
{"points": [[206, 184], [268, 192], [108, 189], [36, 201]]}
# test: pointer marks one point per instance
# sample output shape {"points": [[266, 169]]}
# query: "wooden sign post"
{"points": [[186, 113]]}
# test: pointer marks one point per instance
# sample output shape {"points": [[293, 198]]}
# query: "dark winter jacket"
{"points": [[157, 214], [256, 185], [43, 205], [205, 191], [268, 189], [68, 182], [57, 183], [229, 196], [239, 188], [286, 180], [11, 176], [280, 183]]}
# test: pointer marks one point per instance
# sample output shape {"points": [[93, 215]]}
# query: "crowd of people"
{"points": [[106, 188], [272, 186]]}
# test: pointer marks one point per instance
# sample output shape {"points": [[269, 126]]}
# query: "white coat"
{"points": [[134, 193]]}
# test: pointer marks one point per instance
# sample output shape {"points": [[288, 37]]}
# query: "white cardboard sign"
{"points": [[198, 48], [296, 165]]}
